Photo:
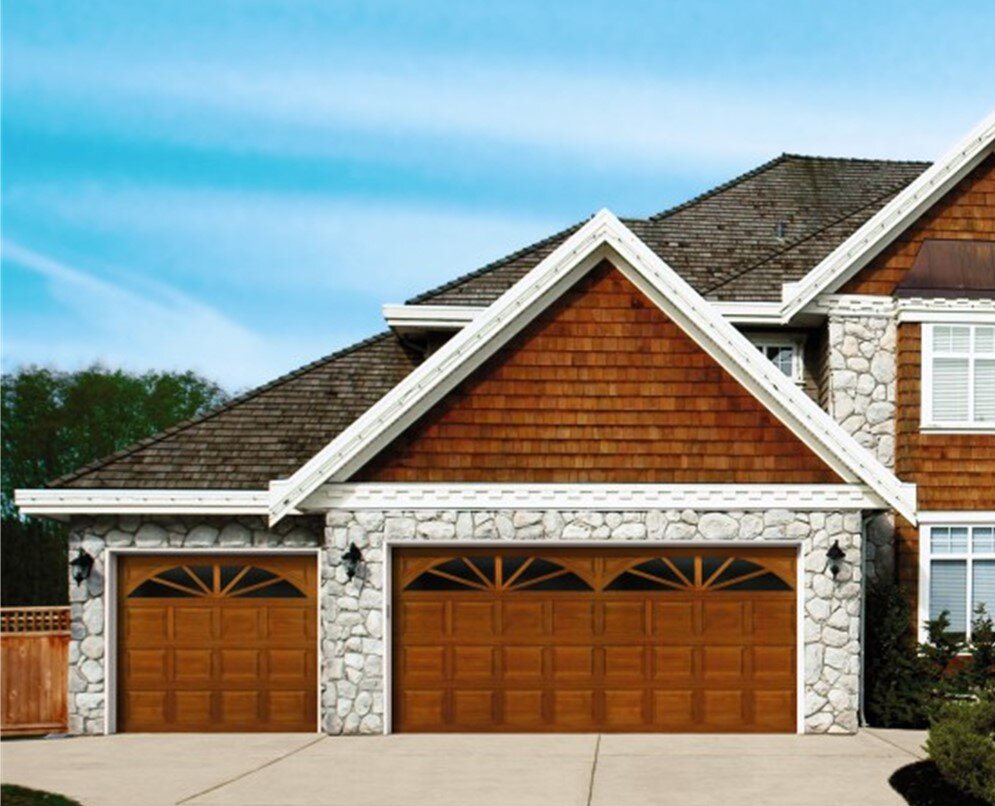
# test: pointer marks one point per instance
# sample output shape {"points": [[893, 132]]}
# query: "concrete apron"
{"points": [[462, 770]]}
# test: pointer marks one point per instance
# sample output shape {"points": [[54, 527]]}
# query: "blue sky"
{"points": [[236, 187]]}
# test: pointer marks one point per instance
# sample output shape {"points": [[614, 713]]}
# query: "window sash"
{"points": [[959, 375], [960, 555], [783, 353]]}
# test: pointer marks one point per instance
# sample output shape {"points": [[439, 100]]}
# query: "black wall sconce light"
{"points": [[81, 566], [351, 558], [835, 555]]}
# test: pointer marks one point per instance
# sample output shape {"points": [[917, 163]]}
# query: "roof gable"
{"points": [[604, 237], [891, 220], [965, 213], [601, 387]]}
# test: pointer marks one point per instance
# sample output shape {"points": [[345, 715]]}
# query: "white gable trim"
{"points": [[62, 502], [614, 497], [892, 219], [603, 237]]}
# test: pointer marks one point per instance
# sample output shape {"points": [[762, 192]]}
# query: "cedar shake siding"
{"points": [[602, 387], [967, 212], [952, 471]]}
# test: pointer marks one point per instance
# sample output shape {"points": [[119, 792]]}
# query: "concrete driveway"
{"points": [[461, 770]]}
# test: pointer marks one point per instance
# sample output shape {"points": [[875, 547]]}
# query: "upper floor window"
{"points": [[958, 374], [785, 352]]}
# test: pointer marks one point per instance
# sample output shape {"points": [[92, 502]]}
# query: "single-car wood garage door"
{"points": [[217, 643], [527, 639]]}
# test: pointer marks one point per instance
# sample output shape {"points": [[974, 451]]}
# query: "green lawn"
{"points": [[12, 795]]}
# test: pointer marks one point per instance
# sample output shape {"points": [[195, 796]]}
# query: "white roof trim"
{"points": [[603, 237], [429, 317], [63, 502], [617, 497], [456, 317], [885, 225]]}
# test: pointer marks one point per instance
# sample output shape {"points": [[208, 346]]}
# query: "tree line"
{"points": [[54, 422]]}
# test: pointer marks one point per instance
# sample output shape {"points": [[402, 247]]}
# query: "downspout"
{"points": [[864, 567]]}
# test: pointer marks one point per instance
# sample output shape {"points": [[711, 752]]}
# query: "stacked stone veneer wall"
{"points": [[352, 612], [352, 617], [87, 669], [862, 372]]}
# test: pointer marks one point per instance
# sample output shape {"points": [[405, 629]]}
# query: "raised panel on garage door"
{"points": [[647, 639], [217, 643]]}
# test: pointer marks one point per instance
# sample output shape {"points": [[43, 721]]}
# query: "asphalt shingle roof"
{"points": [[262, 435], [724, 242]]}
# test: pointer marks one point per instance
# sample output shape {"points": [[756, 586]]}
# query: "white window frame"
{"points": [[927, 421], [797, 344], [969, 521]]}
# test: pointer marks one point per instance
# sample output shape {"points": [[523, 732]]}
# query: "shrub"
{"points": [[962, 744], [897, 690], [982, 649]]}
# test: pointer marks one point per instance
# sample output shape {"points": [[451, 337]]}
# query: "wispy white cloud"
{"points": [[120, 326], [294, 241], [630, 119]]}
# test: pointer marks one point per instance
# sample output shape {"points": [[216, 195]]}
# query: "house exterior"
{"points": [[634, 477]]}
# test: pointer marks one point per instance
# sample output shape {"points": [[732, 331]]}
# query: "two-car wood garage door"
{"points": [[594, 640]]}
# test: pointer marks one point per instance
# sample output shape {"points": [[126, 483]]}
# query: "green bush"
{"points": [[905, 683], [897, 692], [982, 650], [962, 744]]}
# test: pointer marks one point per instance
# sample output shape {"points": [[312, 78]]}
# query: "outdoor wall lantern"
{"points": [[836, 557], [81, 566], [352, 557]]}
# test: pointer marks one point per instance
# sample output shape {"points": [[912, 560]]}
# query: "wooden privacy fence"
{"points": [[34, 664]]}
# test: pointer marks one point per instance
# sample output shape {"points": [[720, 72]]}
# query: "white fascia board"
{"points": [[852, 305], [603, 237], [429, 317], [750, 313], [958, 311], [61, 503], [610, 497], [456, 317], [885, 225]]}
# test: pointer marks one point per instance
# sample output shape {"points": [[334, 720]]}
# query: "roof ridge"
{"points": [[783, 157], [759, 169], [494, 264], [792, 155], [192, 421]]}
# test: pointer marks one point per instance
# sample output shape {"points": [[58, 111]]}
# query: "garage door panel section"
{"points": [[647, 639], [217, 643]]}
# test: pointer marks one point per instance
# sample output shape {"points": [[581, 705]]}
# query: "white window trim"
{"points": [[927, 422], [795, 341], [926, 558]]}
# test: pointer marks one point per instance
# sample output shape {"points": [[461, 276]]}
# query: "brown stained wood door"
{"points": [[217, 643], [523, 639]]}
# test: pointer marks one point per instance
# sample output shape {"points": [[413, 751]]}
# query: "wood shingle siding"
{"points": [[952, 471], [967, 212], [602, 387]]}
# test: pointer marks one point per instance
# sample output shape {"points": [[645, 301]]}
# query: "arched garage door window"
{"points": [[216, 581], [690, 573]]}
